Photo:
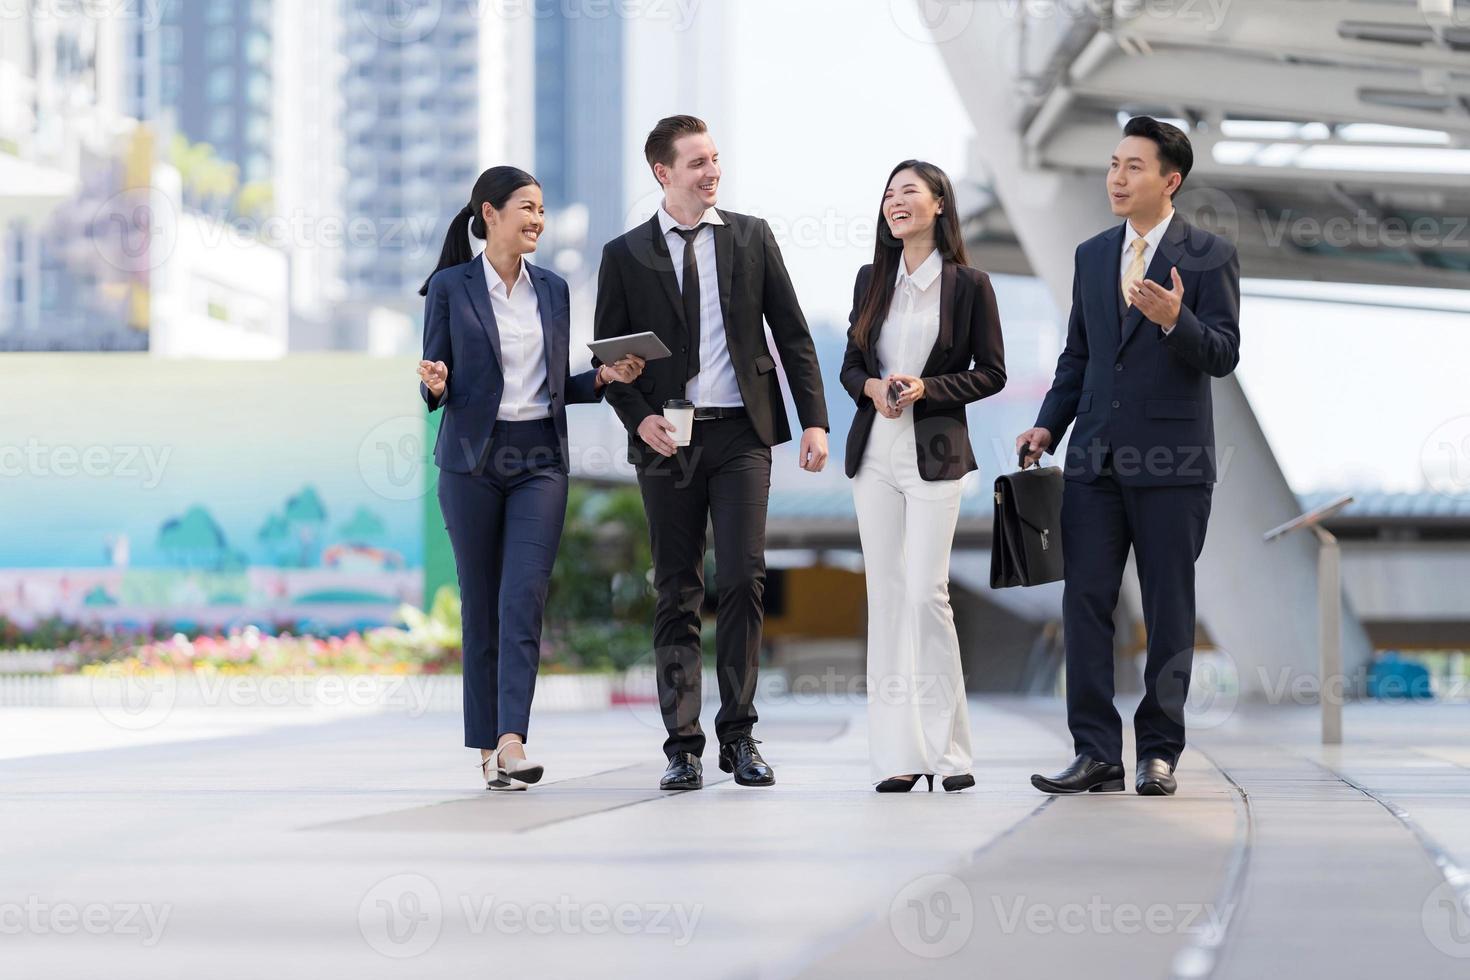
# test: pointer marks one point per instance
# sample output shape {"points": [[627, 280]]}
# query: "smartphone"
{"points": [[895, 389]]}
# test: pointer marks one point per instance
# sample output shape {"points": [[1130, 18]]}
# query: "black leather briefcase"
{"points": [[1026, 546]]}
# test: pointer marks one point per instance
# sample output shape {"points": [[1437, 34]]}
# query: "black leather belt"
{"points": [[705, 414]]}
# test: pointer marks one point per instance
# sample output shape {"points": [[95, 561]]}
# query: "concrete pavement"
{"points": [[290, 844]]}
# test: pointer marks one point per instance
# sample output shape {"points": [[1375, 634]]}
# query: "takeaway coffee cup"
{"points": [[681, 413]]}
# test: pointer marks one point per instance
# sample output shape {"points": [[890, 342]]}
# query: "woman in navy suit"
{"points": [[495, 356]]}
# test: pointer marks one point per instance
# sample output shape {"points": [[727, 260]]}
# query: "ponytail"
{"points": [[495, 186]]}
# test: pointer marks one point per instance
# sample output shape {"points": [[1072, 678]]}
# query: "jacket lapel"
{"points": [[549, 332], [1113, 268], [1166, 257], [724, 266], [948, 297], [663, 266], [479, 290]]}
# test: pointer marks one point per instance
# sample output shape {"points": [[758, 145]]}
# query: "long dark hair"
{"points": [[495, 185], [888, 251]]}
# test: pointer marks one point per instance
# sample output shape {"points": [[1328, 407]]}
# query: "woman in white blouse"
{"points": [[924, 342]]}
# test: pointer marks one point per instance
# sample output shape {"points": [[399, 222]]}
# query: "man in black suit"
{"points": [[703, 279], [1155, 310]]}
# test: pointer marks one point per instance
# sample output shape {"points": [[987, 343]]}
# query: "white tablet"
{"points": [[646, 345]]}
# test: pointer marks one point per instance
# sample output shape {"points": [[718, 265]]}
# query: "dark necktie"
{"points": [[691, 296]]}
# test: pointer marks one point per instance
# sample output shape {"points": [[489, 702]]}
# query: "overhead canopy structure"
{"points": [[1331, 137]]}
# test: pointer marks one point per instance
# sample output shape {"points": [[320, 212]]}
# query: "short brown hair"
{"points": [[660, 145]]}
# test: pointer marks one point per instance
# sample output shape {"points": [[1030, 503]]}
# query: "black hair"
{"points": [[495, 185], [1175, 153], [887, 251]]}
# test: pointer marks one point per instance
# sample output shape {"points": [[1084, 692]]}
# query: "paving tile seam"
{"points": [[1454, 875], [1202, 958]]}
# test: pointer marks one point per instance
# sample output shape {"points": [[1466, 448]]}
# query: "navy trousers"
{"points": [[505, 525], [1165, 526]]}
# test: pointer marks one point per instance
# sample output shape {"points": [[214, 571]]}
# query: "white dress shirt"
{"points": [[715, 385], [522, 347], [912, 325], [1154, 236]]}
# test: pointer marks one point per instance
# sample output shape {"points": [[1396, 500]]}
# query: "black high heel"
{"points": [[898, 784], [955, 783]]}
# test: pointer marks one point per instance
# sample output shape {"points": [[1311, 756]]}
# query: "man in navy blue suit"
{"points": [[1155, 310]]}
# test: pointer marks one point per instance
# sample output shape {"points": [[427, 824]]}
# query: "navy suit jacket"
{"points": [[1127, 385], [460, 330]]}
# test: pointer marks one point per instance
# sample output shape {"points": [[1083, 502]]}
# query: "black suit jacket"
{"points": [[460, 330], [1132, 388], [637, 290], [966, 364]]}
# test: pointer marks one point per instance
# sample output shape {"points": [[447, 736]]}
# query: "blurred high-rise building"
{"points": [[580, 128], [428, 96]]}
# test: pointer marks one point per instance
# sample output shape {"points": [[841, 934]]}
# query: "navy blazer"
{"points": [[460, 330], [1130, 387]]}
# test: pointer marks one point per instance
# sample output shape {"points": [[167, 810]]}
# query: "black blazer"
{"points": [[966, 364], [637, 290], [1125, 383], [460, 330]]}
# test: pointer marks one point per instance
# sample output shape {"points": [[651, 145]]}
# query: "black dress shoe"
{"points": [[1084, 775], [741, 757], [953, 784], [685, 771], [1155, 777]]}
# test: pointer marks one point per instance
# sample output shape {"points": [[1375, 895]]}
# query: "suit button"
{"points": [[683, 350], [1117, 367], [1116, 405]]}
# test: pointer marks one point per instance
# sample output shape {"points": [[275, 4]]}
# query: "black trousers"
{"points": [[723, 478], [1165, 527], [505, 525]]}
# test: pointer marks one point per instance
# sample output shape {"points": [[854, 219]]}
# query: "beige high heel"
{"points": [[514, 774]]}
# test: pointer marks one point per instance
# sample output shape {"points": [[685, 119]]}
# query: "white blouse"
{"points": [[522, 347], [912, 326]]}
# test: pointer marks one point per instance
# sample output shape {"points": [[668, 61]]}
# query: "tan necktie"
{"points": [[1135, 267]]}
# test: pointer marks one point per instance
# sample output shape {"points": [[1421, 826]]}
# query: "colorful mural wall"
{"points": [[203, 493]]}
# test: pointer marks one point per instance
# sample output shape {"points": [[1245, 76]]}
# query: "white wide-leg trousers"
{"points": [[917, 717]]}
